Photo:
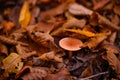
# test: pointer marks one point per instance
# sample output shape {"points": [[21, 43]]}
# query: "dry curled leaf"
{"points": [[23, 53], [3, 49], [13, 63], [72, 22], [55, 11], [77, 9], [117, 9], [8, 26], [63, 74], [99, 3], [111, 57], [25, 15], [104, 21], [29, 73], [11, 41], [94, 42], [51, 56], [114, 62]]}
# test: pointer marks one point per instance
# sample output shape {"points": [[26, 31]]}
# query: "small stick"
{"points": [[11, 41], [102, 73]]}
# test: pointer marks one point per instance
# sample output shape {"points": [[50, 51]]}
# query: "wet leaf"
{"points": [[25, 15], [12, 63]]}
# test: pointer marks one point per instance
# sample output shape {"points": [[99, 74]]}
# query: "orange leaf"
{"points": [[82, 32], [25, 15]]}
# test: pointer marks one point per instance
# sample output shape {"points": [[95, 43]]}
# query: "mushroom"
{"points": [[70, 44]]}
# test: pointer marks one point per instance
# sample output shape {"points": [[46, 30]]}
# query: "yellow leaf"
{"points": [[82, 32], [12, 63], [25, 15]]}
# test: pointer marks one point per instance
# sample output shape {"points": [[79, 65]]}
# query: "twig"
{"points": [[11, 41], [102, 73]]}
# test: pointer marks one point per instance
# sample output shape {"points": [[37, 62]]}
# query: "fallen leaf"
{"points": [[98, 4], [94, 42], [25, 15], [77, 9], [63, 74], [117, 9], [104, 21], [8, 26], [13, 63], [55, 11], [3, 49], [51, 56], [113, 37], [82, 32], [30, 73], [110, 56]]}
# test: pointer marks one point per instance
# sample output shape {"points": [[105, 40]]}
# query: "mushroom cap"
{"points": [[71, 44]]}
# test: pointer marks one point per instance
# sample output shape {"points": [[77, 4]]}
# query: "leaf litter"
{"points": [[31, 32]]}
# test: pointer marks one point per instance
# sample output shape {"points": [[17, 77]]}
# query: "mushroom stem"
{"points": [[70, 55]]}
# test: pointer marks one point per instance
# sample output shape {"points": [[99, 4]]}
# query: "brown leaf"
{"points": [[113, 37], [14, 15], [11, 41], [72, 22], [104, 21], [112, 59], [29, 73], [77, 9], [94, 42], [98, 4], [23, 53], [51, 56], [117, 9], [8, 26], [63, 74], [3, 49], [55, 11]]}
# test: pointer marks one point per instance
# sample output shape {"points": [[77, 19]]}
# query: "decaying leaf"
{"points": [[112, 59], [13, 63], [72, 22], [11, 41], [104, 21], [33, 36], [77, 9], [29, 73], [3, 49], [117, 9], [63, 74], [99, 4], [113, 37], [23, 53], [25, 15], [55, 11], [51, 56], [8, 26], [94, 42]]}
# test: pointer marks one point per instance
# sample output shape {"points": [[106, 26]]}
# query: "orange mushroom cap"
{"points": [[71, 44]]}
